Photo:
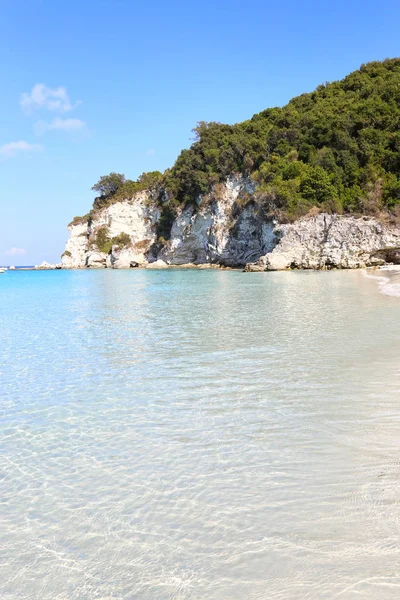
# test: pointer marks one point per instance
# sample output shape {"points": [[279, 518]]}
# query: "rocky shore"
{"points": [[45, 266], [228, 229], [331, 241]]}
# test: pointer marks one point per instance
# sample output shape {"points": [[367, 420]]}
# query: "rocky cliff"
{"points": [[136, 217], [228, 227], [224, 228], [334, 150], [331, 241]]}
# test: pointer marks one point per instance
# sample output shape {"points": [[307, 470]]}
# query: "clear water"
{"points": [[199, 435]]}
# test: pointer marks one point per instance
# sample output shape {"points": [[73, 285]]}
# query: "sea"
{"points": [[203, 435]]}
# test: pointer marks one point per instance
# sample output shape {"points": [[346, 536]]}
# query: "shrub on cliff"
{"points": [[123, 239], [109, 184], [79, 220], [114, 187], [103, 242]]}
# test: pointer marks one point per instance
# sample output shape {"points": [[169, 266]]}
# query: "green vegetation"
{"points": [[114, 187], [66, 253], [102, 240], [104, 243], [336, 149], [108, 185], [80, 220], [121, 240]]}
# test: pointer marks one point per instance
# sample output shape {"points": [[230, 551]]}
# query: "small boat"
{"points": [[2, 269]]}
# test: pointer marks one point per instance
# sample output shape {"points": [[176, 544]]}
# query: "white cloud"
{"points": [[41, 96], [150, 152], [12, 149], [71, 125], [14, 251]]}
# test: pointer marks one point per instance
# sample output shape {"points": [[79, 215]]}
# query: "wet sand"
{"points": [[388, 279]]}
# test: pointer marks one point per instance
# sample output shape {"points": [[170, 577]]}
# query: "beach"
{"points": [[388, 279]]}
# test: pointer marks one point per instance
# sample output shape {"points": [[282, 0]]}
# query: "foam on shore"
{"points": [[388, 279]]}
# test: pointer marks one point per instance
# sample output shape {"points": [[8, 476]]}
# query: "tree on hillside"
{"points": [[108, 185], [150, 180], [336, 149]]}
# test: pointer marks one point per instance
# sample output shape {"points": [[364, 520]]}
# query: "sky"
{"points": [[96, 86]]}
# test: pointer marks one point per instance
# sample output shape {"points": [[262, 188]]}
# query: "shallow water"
{"points": [[199, 435], [388, 279]]}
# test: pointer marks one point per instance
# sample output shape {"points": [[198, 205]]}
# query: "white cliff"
{"points": [[331, 241], [136, 217], [227, 227], [76, 248]]}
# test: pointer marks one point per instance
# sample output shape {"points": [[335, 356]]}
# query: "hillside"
{"points": [[335, 151], [337, 148]]}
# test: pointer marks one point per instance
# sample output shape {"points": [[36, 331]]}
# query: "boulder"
{"points": [[96, 260], [157, 264]]}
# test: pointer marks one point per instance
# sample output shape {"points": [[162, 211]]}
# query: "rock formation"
{"points": [[331, 241], [227, 228], [45, 266], [219, 230]]}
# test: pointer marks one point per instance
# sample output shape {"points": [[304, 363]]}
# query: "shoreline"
{"points": [[389, 272], [388, 279]]}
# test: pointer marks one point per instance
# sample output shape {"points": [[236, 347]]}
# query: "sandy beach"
{"points": [[388, 278]]}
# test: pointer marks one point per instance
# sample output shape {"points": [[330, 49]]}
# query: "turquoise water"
{"points": [[198, 435]]}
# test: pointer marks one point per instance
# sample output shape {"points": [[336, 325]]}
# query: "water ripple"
{"points": [[188, 435]]}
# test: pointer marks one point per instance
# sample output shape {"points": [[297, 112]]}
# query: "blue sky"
{"points": [[96, 86]]}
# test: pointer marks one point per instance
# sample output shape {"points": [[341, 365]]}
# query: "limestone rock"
{"points": [[228, 228], [125, 258], [46, 266], [157, 264], [96, 260], [137, 217], [76, 247], [331, 241]]}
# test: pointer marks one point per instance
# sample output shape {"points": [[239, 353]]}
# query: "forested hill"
{"points": [[337, 148]]}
